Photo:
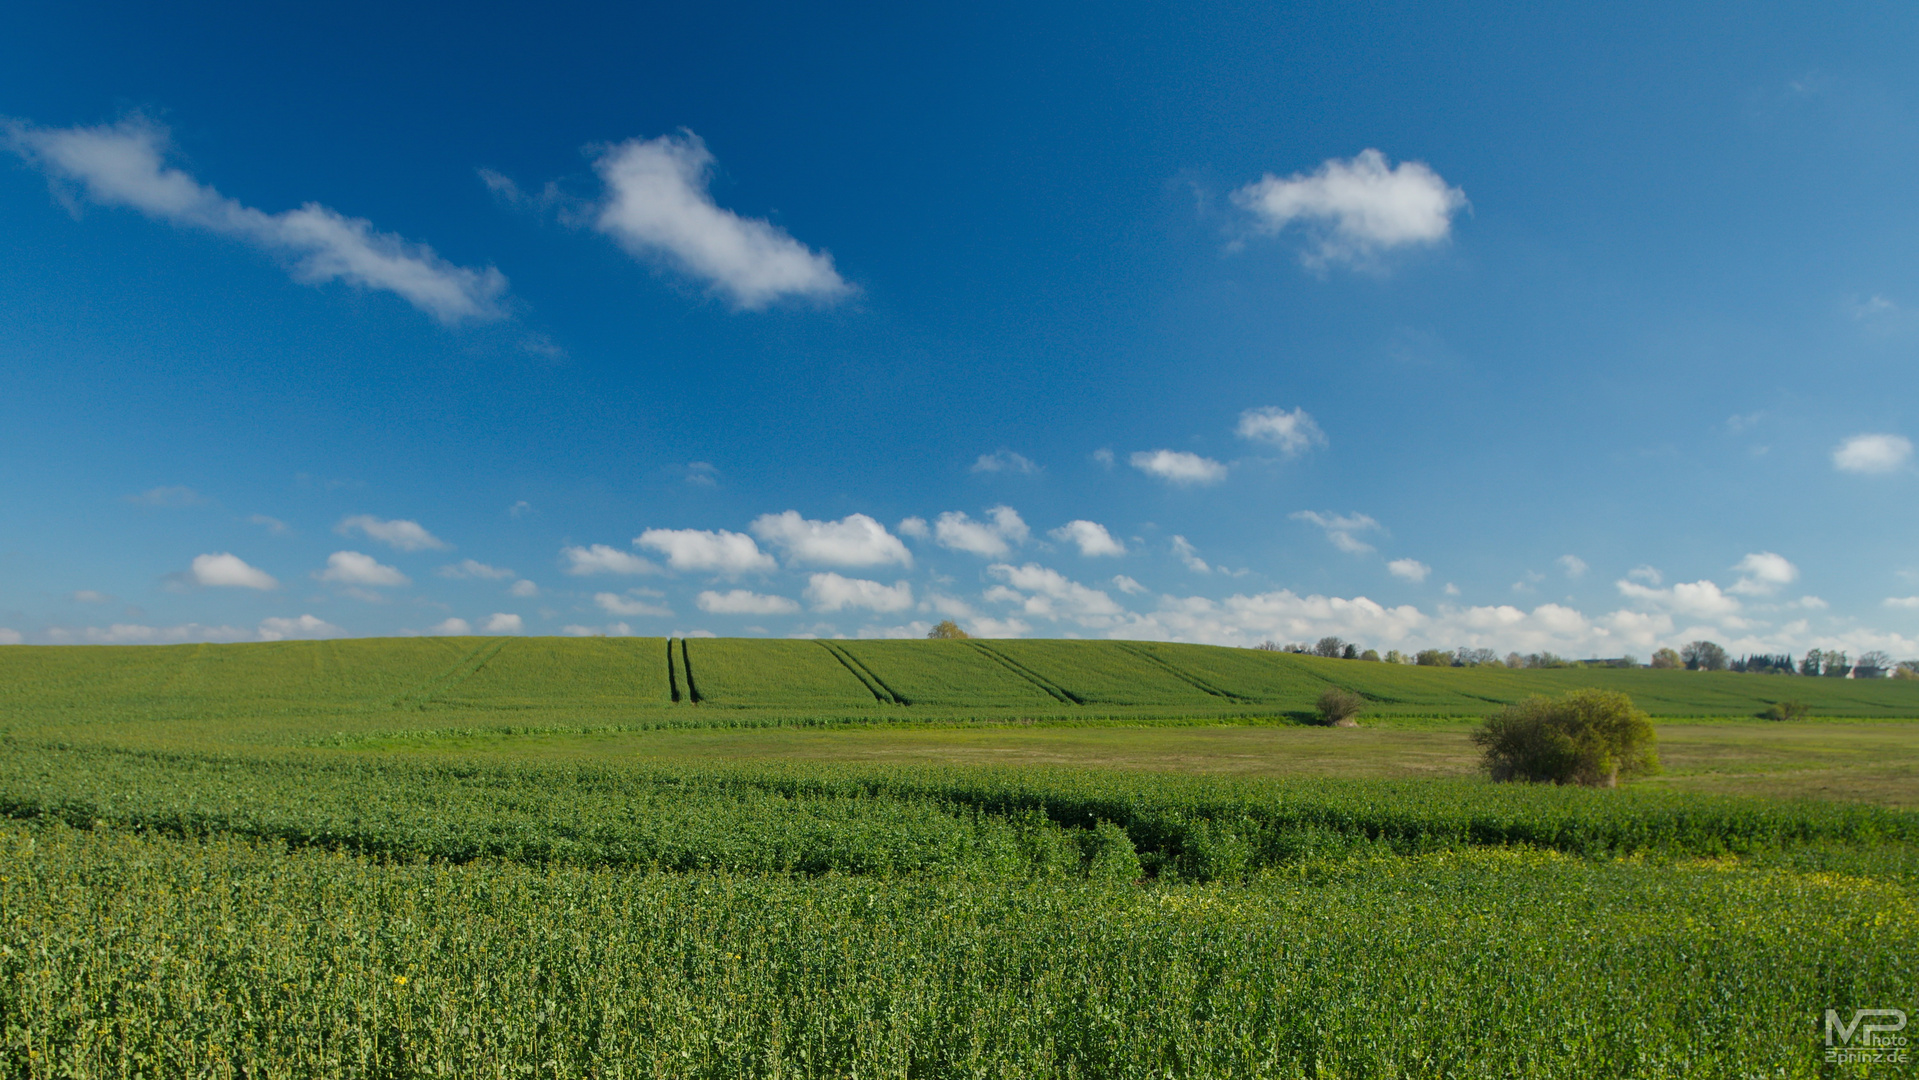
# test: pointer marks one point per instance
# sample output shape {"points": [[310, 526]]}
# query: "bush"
{"points": [[1665, 658], [1589, 737], [1784, 710], [1110, 855], [1433, 658], [949, 630], [1338, 708]]}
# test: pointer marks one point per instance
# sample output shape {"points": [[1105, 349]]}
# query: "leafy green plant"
{"points": [[1789, 709], [1587, 737], [1339, 707]]}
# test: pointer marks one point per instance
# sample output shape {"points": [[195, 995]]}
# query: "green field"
{"points": [[724, 858]]}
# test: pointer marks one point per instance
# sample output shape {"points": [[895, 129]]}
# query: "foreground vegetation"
{"points": [[494, 859]]}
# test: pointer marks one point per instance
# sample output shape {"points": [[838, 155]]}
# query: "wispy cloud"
{"points": [[1179, 467], [1292, 432], [397, 534], [355, 568], [124, 164], [603, 559], [169, 497], [1341, 529], [1004, 461], [992, 539], [744, 602]]}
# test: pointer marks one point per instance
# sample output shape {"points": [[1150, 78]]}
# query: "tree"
{"points": [[1835, 664], [1394, 656], [1810, 665], [1338, 707], [1784, 710], [948, 630], [1351, 652], [1465, 657], [1703, 656], [1907, 669], [1872, 665], [1589, 737], [1329, 646], [1665, 658], [1433, 658], [1370, 654]]}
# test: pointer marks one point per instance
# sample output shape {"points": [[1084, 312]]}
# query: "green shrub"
{"points": [[1338, 707], [1110, 855], [1589, 737], [1784, 710]]}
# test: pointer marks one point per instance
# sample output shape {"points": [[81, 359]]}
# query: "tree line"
{"points": [[1695, 656]]}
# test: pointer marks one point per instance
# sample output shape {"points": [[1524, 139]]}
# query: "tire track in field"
{"points": [[467, 667], [1057, 692], [686, 665], [672, 674], [1182, 674], [885, 694]]}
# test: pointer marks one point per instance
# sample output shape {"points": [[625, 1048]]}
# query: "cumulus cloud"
{"points": [[831, 592], [474, 568], [745, 602], [169, 497], [992, 539], [1179, 467], [10, 637], [618, 629], [229, 571], [1697, 599], [272, 525], [1004, 461], [1090, 536], [1127, 585], [502, 622], [1189, 555], [707, 551], [452, 628], [1357, 208], [400, 535], [1340, 529], [1573, 565], [1045, 593], [523, 588], [1645, 575], [124, 164], [602, 559], [1293, 432], [1910, 603], [855, 540], [915, 527], [657, 206], [138, 634], [1872, 453], [353, 568], [1411, 569], [306, 626], [635, 602], [1763, 573]]}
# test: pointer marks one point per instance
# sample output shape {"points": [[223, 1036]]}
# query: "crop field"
{"points": [[651, 858]]}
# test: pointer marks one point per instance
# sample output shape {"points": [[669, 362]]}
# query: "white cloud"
{"points": [[910, 631], [523, 588], [1872, 453], [992, 539], [1645, 575], [272, 525], [90, 596], [707, 551], [400, 535], [1178, 467], [602, 559], [519, 509], [170, 497], [474, 568], [501, 622], [353, 568], [1697, 599], [306, 626], [229, 571], [1127, 585], [137, 634], [1293, 432], [657, 205], [1004, 461], [1910, 603], [702, 474], [1091, 537], [633, 603], [1357, 208], [125, 165], [1049, 594], [1103, 456], [983, 627], [745, 602], [915, 527], [856, 540], [1340, 529], [618, 629], [1189, 555], [1573, 565], [452, 628], [831, 592], [1762, 573], [10, 637], [1411, 569]]}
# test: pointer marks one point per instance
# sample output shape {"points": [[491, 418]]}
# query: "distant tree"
{"points": [[1370, 654], [1703, 656], [1907, 669], [1339, 707], [1872, 665], [1810, 665], [1514, 660], [1665, 658], [1329, 646], [1834, 665], [948, 630], [1351, 652], [1394, 656], [1590, 737], [1433, 658], [1299, 649], [1784, 710], [1629, 661], [1270, 646], [1465, 657]]}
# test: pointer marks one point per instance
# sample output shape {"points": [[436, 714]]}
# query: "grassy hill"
{"points": [[623, 677]]}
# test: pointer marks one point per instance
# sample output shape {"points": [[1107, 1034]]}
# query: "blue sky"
{"points": [[1526, 327]]}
